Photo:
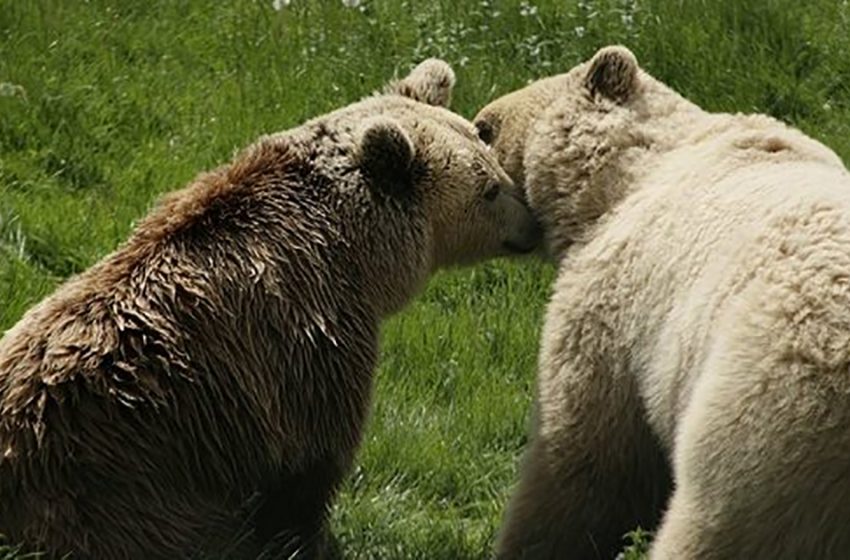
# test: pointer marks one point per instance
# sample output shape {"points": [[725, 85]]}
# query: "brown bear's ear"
{"points": [[385, 155], [613, 74], [431, 82]]}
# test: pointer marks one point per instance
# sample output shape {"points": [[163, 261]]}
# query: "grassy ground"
{"points": [[105, 105]]}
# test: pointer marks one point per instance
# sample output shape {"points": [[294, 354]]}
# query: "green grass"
{"points": [[105, 105]]}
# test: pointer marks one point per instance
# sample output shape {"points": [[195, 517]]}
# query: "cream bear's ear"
{"points": [[613, 73], [431, 82], [385, 155]]}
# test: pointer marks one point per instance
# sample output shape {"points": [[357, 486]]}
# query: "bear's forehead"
{"points": [[527, 103], [407, 111], [463, 128]]}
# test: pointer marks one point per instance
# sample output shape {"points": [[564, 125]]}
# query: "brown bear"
{"points": [[699, 325], [215, 371]]}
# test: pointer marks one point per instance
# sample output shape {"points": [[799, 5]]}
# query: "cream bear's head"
{"points": [[571, 140]]}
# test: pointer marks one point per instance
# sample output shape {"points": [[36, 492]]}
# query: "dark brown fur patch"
{"points": [[187, 207], [215, 369], [613, 74]]}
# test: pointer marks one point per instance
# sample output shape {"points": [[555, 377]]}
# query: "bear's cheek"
{"points": [[535, 186], [510, 157]]}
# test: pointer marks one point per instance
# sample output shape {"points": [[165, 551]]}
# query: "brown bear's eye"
{"points": [[492, 192], [485, 131]]}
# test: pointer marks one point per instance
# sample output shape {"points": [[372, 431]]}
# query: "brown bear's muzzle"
{"points": [[529, 238]]}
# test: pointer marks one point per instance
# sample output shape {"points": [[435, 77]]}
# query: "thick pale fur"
{"points": [[431, 82], [699, 324], [209, 380]]}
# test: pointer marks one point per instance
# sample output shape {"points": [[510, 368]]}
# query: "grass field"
{"points": [[106, 105]]}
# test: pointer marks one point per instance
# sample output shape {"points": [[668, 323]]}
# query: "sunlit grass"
{"points": [[105, 105]]}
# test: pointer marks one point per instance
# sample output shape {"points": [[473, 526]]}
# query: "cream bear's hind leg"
{"points": [[592, 473], [762, 462]]}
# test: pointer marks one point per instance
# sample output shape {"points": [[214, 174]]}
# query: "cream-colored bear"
{"points": [[699, 326]]}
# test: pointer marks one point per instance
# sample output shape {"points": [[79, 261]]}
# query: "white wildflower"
{"points": [[278, 5], [8, 89], [526, 9], [351, 3]]}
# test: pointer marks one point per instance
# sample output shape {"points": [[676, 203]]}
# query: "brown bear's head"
{"points": [[415, 148]]}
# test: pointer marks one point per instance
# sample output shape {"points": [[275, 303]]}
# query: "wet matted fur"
{"points": [[203, 388]]}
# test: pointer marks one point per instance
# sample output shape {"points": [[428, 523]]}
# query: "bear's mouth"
{"points": [[519, 249], [531, 239]]}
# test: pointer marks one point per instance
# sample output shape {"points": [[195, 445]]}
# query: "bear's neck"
{"points": [[387, 254], [577, 189], [283, 223], [575, 194], [378, 249]]}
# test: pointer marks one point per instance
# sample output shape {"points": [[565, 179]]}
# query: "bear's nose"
{"points": [[531, 238]]}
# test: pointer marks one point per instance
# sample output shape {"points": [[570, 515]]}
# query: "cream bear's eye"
{"points": [[485, 132], [492, 191]]}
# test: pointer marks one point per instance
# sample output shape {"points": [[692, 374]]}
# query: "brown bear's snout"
{"points": [[529, 233]]}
